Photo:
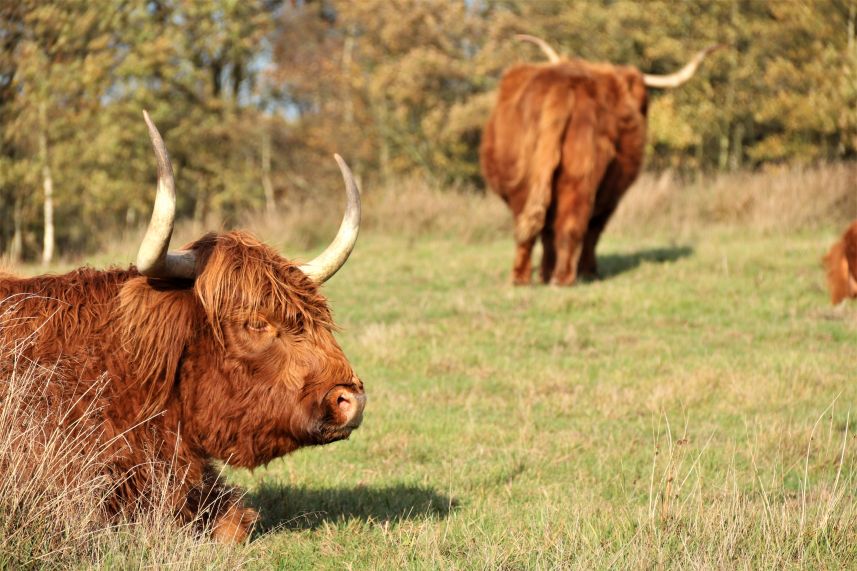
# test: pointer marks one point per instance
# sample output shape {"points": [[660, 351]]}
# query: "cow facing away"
{"points": [[840, 265], [564, 142], [223, 350]]}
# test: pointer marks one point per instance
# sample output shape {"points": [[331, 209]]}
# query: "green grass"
{"points": [[693, 408]]}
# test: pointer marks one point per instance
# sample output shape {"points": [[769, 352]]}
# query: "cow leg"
{"points": [[588, 266], [585, 156], [568, 247], [217, 509], [617, 179], [572, 218], [548, 252], [574, 203], [611, 190], [234, 524], [522, 269]]}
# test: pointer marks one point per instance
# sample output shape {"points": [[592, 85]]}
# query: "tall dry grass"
{"points": [[781, 200], [757, 516], [412, 207], [54, 482], [786, 199]]}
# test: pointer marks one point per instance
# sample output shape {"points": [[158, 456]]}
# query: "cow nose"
{"points": [[351, 406]]}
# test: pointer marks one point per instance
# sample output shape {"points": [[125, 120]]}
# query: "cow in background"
{"points": [[563, 144], [840, 264]]}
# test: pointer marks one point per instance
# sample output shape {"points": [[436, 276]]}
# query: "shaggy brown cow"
{"points": [[223, 350], [563, 144], [840, 264]]}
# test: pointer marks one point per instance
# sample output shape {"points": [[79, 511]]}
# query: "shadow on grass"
{"points": [[286, 507], [612, 265]]}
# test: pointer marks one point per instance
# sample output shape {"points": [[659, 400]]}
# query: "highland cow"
{"points": [[840, 264], [563, 144], [221, 351]]}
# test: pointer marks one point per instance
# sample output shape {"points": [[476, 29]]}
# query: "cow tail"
{"points": [[532, 219], [552, 124]]}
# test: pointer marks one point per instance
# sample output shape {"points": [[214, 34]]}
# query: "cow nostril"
{"points": [[345, 402]]}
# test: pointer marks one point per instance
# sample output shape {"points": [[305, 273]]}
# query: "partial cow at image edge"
{"points": [[840, 264]]}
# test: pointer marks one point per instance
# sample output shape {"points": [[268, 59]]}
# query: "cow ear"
{"points": [[156, 326]]}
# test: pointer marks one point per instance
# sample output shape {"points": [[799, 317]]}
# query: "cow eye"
{"points": [[257, 325]]}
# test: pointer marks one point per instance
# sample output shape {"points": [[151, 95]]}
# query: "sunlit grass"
{"points": [[53, 483], [695, 408], [692, 408]]}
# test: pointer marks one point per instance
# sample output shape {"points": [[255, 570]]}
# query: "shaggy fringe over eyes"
{"points": [[241, 275]]}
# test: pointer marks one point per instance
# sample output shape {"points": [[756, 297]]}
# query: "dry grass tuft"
{"points": [[53, 485], [784, 200], [412, 207], [788, 199]]}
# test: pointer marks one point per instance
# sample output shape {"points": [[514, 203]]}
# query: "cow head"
{"points": [[840, 264], [628, 84], [668, 81], [235, 341]]}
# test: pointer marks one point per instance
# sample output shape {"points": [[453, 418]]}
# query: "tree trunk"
{"points": [[16, 247], [723, 157], [736, 156], [345, 69], [48, 187], [727, 130], [851, 17], [700, 158], [267, 185], [200, 208]]}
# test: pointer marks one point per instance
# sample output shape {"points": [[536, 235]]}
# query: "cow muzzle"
{"points": [[343, 411], [349, 405]]}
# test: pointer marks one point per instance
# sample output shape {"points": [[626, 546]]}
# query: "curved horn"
{"points": [[553, 57], [328, 262], [153, 260], [682, 75]]}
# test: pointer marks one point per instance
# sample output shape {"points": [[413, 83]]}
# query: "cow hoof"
{"points": [[235, 525], [561, 282]]}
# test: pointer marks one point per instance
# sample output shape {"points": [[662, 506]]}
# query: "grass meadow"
{"points": [[695, 408]]}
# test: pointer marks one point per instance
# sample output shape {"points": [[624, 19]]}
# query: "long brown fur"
{"points": [[563, 144], [840, 264], [186, 380]]}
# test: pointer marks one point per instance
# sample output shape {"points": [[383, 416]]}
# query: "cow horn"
{"points": [[553, 57], [328, 262], [682, 75], [153, 260]]}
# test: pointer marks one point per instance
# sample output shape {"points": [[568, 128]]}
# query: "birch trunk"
{"points": [[48, 188], [267, 185], [16, 247]]}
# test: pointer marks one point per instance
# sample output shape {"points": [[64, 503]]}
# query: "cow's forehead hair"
{"points": [[240, 274]]}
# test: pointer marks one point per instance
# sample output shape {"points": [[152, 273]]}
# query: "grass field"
{"points": [[694, 408]]}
